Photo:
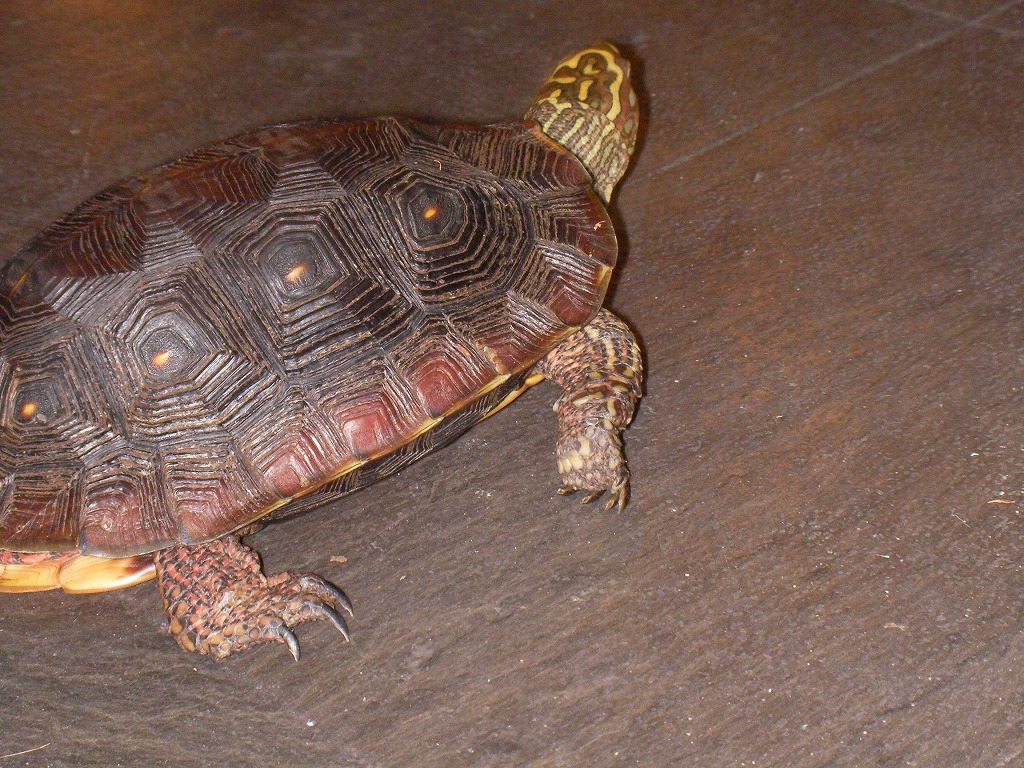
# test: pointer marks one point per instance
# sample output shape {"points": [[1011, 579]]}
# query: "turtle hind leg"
{"points": [[219, 602], [600, 371]]}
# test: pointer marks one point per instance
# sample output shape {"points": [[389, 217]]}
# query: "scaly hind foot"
{"points": [[219, 602]]}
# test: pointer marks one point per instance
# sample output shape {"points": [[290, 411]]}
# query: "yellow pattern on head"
{"points": [[589, 107]]}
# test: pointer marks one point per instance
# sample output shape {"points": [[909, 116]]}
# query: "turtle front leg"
{"points": [[600, 371], [219, 602]]}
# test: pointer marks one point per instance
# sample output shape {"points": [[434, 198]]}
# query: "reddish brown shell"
{"points": [[191, 349]]}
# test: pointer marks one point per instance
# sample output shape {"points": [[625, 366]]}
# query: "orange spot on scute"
{"points": [[430, 212], [28, 410], [296, 273], [161, 358]]}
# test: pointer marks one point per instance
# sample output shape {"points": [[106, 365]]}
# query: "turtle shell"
{"points": [[292, 312]]}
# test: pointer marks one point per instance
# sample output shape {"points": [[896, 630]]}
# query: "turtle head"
{"points": [[589, 107]]}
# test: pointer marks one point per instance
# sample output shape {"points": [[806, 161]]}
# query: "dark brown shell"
{"points": [[291, 310]]}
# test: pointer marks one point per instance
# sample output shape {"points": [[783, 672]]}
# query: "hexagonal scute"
{"points": [[51, 396], [170, 336], [53, 415], [167, 347], [465, 236], [292, 255], [433, 214], [296, 276], [298, 268]]}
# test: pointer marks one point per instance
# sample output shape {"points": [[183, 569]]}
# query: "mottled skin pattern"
{"points": [[600, 372], [589, 106], [218, 601], [280, 319]]}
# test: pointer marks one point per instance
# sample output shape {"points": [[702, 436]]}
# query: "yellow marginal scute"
{"points": [[77, 574], [84, 574], [531, 380], [30, 577]]}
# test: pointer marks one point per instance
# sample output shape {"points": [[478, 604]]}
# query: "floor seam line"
{"points": [[998, 30], [933, 12], [828, 90]]}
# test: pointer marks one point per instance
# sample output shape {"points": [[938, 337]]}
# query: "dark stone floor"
{"points": [[821, 562]]}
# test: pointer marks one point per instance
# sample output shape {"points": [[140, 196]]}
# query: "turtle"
{"points": [[283, 317]]}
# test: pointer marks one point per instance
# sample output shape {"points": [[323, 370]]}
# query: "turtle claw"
{"points": [[618, 495], [326, 589], [288, 637], [219, 602], [336, 619], [590, 459]]}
